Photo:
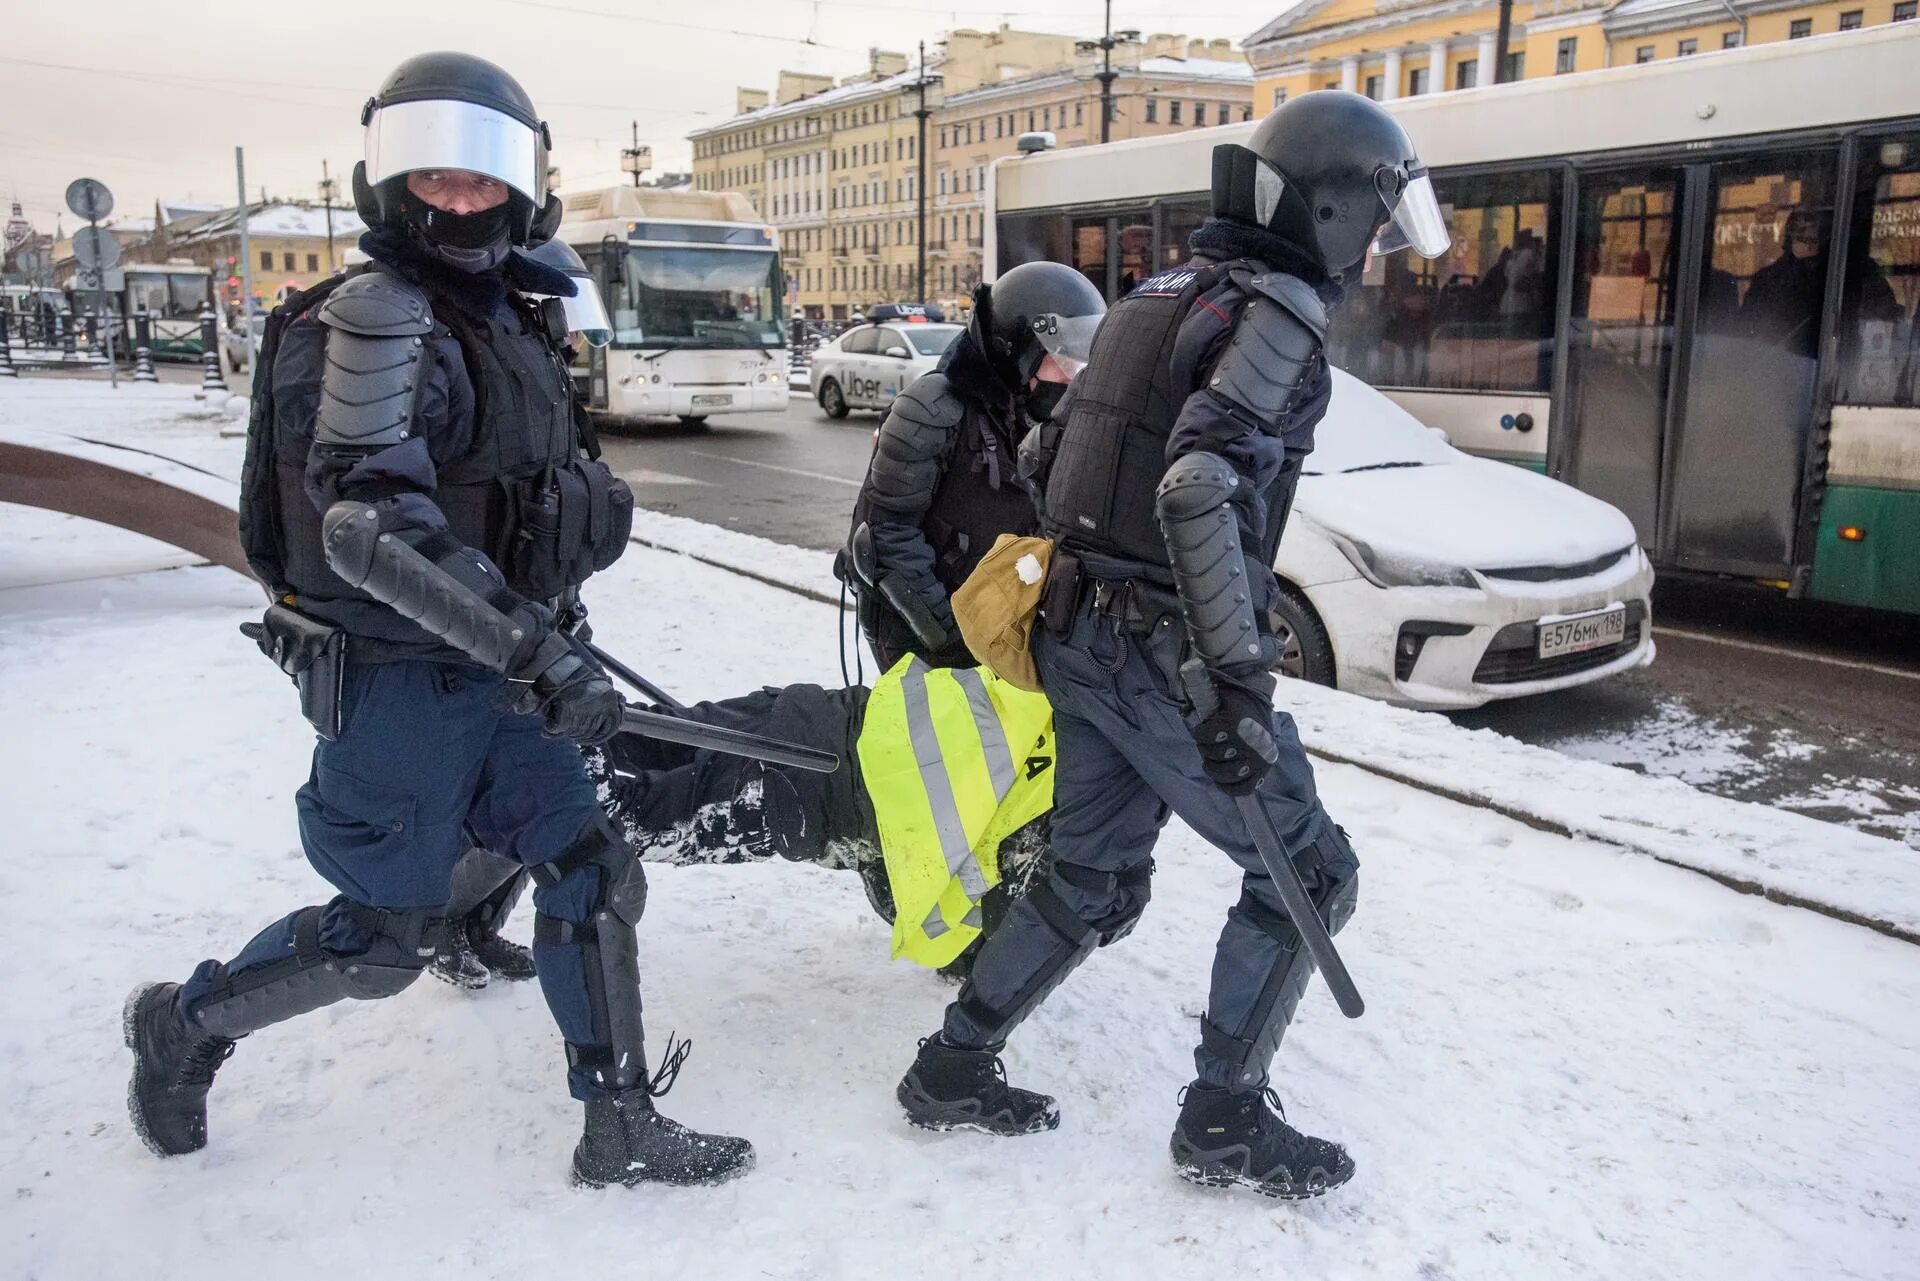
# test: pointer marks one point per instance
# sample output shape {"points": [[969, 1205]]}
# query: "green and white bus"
{"points": [[1687, 287]]}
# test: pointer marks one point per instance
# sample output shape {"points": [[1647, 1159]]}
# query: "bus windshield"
{"points": [[169, 294], [680, 296]]}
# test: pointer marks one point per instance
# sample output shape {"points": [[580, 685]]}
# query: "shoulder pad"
{"points": [[377, 305], [930, 401], [376, 357], [1269, 357], [1297, 296]]}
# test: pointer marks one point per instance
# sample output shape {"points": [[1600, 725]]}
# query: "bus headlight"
{"points": [[1397, 569]]}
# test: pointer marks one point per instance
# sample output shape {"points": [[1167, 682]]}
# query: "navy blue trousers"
{"points": [[1126, 761], [424, 758]]}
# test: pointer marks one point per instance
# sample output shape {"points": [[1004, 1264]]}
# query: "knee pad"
{"points": [[1125, 894], [402, 945]]}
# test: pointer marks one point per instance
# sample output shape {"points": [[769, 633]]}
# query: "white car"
{"points": [[1423, 576], [871, 363]]}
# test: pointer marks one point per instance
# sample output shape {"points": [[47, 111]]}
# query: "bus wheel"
{"points": [[831, 400], [1305, 652]]}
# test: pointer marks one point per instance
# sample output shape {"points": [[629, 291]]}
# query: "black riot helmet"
{"points": [[586, 312], [457, 112], [1332, 173], [1036, 310]]}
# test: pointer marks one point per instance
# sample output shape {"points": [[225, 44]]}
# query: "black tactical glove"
{"points": [[1233, 731], [554, 679]]}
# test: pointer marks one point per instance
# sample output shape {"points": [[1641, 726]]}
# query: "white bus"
{"points": [[1687, 287], [693, 284]]}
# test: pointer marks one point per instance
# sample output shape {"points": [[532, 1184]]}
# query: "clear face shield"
{"points": [[587, 314], [1068, 342], [1417, 222], [444, 134]]}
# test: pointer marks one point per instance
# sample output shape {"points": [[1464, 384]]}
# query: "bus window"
{"points": [[1090, 251], [1480, 319], [1178, 220], [1041, 237], [1136, 253], [1879, 346]]}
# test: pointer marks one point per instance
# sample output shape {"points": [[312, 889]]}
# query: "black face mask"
{"points": [[469, 242], [1044, 399]]}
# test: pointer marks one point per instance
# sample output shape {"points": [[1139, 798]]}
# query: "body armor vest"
{"points": [[1113, 449], [969, 511], [523, 432]]}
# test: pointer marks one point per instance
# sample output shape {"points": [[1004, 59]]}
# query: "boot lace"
{"points": [[203, 1059], [662, 1081]]}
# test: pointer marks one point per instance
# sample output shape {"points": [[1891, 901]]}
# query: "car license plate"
{"points": [[1582, 632], [713, 400]]}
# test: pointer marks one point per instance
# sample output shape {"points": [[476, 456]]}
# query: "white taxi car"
{"points": [[872, 362], [1420, 575]]}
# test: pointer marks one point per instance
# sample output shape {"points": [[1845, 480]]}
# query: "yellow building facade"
{"points": [[835, 167], [1388, 49]]}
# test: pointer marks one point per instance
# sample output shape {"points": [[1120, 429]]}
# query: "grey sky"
{"points": [[152, 98]]}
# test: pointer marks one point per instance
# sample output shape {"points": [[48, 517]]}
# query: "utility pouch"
{"points": [[995, 607], [1061, 596], [313, 653], [572, 521]]}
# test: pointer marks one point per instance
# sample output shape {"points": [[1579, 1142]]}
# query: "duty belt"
{"points": [[1137, 608]]}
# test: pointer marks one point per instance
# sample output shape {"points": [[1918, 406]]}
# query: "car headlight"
{"points": [[1397, 569]]}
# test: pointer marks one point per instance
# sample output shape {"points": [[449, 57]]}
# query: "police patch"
{"points": [[1167, 284]]}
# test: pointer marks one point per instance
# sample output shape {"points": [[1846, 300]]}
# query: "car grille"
{"points": [[1558, 573], [1512, 656]]}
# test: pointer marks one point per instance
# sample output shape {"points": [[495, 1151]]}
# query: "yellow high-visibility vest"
{"points": [[955, 760]]}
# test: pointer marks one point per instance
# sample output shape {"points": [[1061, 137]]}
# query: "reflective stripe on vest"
{"points": [[937, 752]]}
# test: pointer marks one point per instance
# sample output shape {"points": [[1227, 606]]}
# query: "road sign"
{"points": [[95, 247], [89, 199], [113, 280]]}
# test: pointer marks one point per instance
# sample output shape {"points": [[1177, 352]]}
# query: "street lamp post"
{"points": [[1109, 38], [636, 159], [326, 203], [927, 94]]}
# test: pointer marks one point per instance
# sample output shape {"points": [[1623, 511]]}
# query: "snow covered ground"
{"points": [[1576, 1062]]}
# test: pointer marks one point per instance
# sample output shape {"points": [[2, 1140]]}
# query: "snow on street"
{"points": [[1576, 1062]]}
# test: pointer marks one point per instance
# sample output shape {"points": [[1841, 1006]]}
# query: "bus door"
{"points": [[1751, 352], [1620, 339]]}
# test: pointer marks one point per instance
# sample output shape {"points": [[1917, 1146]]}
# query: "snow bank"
{"points": [[1788, 856], [1574, 1064]]}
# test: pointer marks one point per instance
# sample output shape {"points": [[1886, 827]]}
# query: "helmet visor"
{"points": [[1068, 337], [444, 134], [587, 314], [1417, 223]]}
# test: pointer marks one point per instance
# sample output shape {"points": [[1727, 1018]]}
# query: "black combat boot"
{"points": [[628, 1141], [173, 1067], [1224, 1138], [950, 1088], [456, 962], [502, 957]]}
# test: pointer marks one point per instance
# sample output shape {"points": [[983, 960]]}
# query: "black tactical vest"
{"points": [[523, 432], [1113, 450], [969, 510]]}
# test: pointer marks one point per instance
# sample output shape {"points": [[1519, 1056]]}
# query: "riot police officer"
{"points": [[943, 481], [1208, 375], [425, 393]]}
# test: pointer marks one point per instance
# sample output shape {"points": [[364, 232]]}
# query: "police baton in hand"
{"points": [[1194, 506], [393, 572]]}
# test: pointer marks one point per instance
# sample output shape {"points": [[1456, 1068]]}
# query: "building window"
{"points": [[1850, 20], [1417, 82], [286, 262], [1373, 87], [1173, 113], [313, 262], [1153, 108], [1730, 40], [1643, 54], [1800, 28], [1516, 67], [1687, 49], [1079, 113], [1563, 57], [1046, 118], [1032, 116], [1465, 76], [266, 260], [1279, 96], [1246, 112], [1903, 11]]}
